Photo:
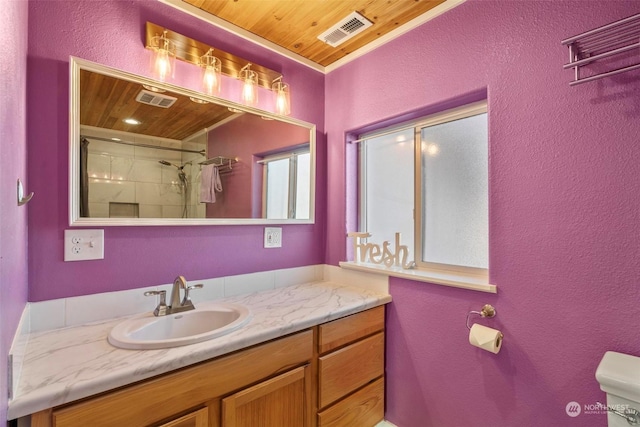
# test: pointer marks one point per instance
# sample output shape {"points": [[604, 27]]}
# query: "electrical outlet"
{"points": [[273, 237], [80, 245]]}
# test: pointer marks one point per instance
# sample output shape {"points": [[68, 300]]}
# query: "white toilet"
{"points": [[619, 376]]}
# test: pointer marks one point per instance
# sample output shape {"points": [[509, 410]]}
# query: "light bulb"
{"points": [[282, 103], [249, 95], [163, 58], [281, 91], [211, 69], [163, 66], [211, 81]]}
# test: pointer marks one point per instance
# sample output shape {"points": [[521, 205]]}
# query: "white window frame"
{"points": [[293, 179], [460, 273]]}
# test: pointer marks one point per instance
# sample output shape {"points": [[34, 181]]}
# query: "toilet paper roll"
{"points": [[486, 338]]}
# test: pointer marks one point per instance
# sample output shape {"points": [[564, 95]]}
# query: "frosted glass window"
{"points": [[387, 186], [278, 189], [428, 179], [455, 192]]}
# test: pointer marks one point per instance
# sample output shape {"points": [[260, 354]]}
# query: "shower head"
{"points": [[166, 163]]}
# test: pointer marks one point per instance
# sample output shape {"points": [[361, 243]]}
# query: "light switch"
{"points": [[81, 245]]}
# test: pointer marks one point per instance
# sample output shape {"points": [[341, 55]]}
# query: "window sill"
{"points": [[472, 283]]}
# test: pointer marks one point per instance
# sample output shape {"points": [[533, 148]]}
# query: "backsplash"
{"points": [[74, 311]]}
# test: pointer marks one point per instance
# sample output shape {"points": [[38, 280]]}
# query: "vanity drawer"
{"points": [[349, 368], [351, 328], [364, 408]]}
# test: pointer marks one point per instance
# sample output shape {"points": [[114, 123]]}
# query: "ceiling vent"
{"points": [[155, 99], [349, 27]]}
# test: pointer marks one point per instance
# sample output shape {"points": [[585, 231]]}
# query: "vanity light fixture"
{"points": [[249, 80], [211, 73], [171, 45], [163, 57], [281, 92]]}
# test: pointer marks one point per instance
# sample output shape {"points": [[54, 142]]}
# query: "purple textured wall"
{"points": [[112, 33], [13, 158], [564, 214]]}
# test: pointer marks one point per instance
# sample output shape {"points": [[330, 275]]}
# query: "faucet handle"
{"points": [[161, 309], [163, 295], [187, 299]]}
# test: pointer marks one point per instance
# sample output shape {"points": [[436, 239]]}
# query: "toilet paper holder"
{"points": [[486, 311]]}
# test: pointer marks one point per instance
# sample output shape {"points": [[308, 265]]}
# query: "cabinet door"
{"points": [[282, 401], [199, 418]]}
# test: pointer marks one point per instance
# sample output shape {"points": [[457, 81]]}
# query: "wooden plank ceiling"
{"points": [[296, 24], [106, 101]]}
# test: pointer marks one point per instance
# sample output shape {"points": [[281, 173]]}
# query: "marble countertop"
{"points": [[64, 365]]}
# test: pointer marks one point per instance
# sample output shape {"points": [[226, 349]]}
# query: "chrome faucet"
{"points": [[179, 283], [177, 305]]}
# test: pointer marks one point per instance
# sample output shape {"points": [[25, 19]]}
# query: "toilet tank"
{"points": [[619, 377], [619, 374]]}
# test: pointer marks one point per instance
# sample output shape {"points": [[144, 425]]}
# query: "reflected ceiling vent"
{"points": [[349, 27], [155, 99]]}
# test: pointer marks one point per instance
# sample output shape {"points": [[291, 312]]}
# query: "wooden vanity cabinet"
{"points": [[179, 395], [329, 376]]}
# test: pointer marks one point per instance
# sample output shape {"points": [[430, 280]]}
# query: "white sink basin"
{"points": [[207, 321]]}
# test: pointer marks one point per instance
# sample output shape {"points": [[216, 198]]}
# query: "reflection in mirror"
{"points": [[145, 153]]}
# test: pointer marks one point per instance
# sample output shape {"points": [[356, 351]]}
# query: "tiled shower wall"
{"points": [[130, 174]]}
